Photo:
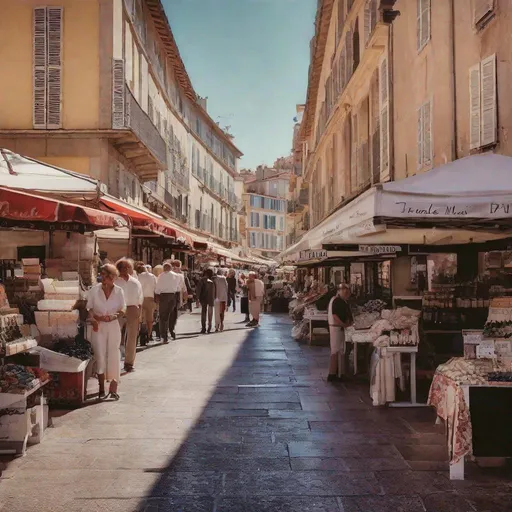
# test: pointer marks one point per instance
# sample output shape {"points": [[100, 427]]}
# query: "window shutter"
{"points": [[118, 98], [427, 134], [418, 24], [54, 84], [349, 56], [128, 55], [482, 9], [425, 23], [353, 154], [39, 56], [488, 102], [420, 137], [384, 115], [474, 107], [367, 21]]}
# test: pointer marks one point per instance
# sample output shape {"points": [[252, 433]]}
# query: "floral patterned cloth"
{"points": [[447, 397]]}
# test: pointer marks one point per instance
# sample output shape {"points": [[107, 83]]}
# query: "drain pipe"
{"points": [[453, 82]]}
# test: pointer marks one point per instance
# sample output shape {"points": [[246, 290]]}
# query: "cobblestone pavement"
{"points": [[242, 421]]}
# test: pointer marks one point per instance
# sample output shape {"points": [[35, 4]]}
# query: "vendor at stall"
{"points": [[339, 317]]}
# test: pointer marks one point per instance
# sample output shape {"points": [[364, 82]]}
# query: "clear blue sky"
{"points": [[251, 58]]}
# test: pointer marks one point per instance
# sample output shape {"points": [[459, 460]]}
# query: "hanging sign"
{"points": [[380, 249], [312, 255]]}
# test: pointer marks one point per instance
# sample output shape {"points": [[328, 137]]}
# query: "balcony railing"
{"points": [[182, 180], [142, 145]]}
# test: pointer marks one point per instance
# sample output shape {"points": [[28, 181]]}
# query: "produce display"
{"points": [[15, 378], [464, 371], [79, 348], [495, 329]]}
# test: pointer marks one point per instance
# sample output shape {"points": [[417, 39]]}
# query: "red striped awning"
{"points": [[28, 210], [147, 221]]}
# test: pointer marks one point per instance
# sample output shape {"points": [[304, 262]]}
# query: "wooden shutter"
{"points": [[342, 70], [40, 61], [482, 10], [423, 23], [367, 22], [384, 115], [118, 94], [353, 153], [128, 55], [488, 101], [54, 83], [420, 138], [350, 56], [427, 133], [474, 107]]}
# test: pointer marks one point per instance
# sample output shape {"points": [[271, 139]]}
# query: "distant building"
{"points": [[265, 203]]}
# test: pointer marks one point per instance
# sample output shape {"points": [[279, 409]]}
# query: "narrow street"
{"points": [[242, 421]]}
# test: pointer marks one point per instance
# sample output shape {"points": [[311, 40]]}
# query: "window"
{"points": [[198, 126], [384, 118], [253, 239], [370, 19], [425, 135], [281, 223], [423, 23], [483, 11], [255, 220], [482, 104], [47, 67]]}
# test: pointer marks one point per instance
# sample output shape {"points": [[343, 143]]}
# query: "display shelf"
{"points": [[12, 349], [26, 392]]}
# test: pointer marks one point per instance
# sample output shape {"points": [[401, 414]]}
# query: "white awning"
{"points": [[466, 201], [20, 172]]}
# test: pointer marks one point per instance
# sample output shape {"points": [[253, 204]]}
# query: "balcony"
{"points": [[140, 142], [180, 180]]}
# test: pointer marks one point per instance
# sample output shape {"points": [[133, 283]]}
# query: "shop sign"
{"points": [[380, 249], [312, 255]]}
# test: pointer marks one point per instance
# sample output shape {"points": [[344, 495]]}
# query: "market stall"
{"points": [[472, 395], [48, 314]]}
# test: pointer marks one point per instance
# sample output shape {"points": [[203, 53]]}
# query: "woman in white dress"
{"points": [[105, 304]]}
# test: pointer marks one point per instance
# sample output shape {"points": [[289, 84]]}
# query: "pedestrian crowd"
{"points": [[124, 304]]}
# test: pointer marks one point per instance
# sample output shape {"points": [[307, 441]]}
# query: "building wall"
{"points": [[443, 77], [348, 148], [80, 68]]}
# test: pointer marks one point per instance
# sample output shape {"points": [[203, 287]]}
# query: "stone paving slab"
{"points": [[243, 421]]}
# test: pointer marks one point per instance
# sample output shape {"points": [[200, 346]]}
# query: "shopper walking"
{"points": [[131, 321], [244, 299], [148, 282], [205, 290], [181, 294], [221, 298], [167, 286], [231, 279], [106, 304], [339, 317], [256, 292]]}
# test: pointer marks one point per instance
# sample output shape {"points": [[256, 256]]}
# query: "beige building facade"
{"points": [[345, 130], [99, 87], [397, 88]]}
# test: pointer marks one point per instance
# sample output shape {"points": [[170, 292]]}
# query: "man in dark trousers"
{"points": [[231, 279], [206, 297], [339, 317]]}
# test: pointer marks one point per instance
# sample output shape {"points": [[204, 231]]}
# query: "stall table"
{"points": [[316, 317], [451, 399], [412, 351]]}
